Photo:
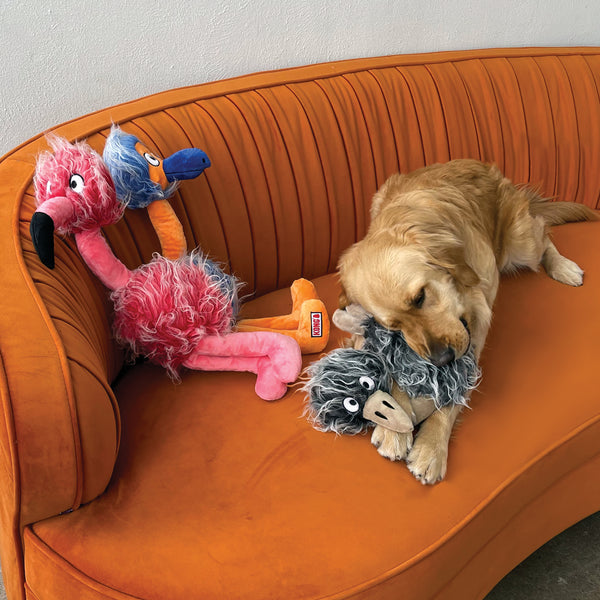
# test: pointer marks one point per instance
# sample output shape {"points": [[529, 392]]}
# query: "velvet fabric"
{"points": [[118, 483]]}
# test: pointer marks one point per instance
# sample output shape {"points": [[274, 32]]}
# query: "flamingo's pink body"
{"points": [[177, 313]]}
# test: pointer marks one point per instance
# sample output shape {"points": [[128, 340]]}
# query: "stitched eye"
{"points": [[151, 159], [76, 183], [351, 405], [367, 383], [419, 299]]}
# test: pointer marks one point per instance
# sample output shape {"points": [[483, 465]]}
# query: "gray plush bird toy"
{"points": [[383, 383]]}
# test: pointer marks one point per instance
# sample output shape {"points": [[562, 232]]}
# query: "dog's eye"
{"points": [[419, 299], [367, 383], [351, 405]]}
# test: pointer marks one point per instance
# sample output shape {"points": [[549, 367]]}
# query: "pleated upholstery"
{"points": [[296, 160], [296, 156]]}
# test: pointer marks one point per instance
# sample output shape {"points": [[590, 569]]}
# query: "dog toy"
{"points": [[340, 384], [145, 180], [176, 312], [350, 390]]}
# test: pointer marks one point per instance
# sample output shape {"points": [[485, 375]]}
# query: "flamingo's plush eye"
{"points": [[76, 183], [48, 188]]}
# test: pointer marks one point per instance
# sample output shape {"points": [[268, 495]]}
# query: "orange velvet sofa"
{"points": [[117, 483]]}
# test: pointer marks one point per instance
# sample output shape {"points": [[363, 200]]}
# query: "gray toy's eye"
{"points": [[351, 405], [367, 383]]}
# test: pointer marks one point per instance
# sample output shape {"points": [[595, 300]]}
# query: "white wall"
{"points": [[60, 59]]}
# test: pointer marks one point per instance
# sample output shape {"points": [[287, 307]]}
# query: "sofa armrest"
{"points": [[60, 422]]}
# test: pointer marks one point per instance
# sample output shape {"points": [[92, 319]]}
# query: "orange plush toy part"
{"points": [[308, 323], [144, 179]]}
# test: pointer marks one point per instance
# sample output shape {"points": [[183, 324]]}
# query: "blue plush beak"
{"points": [[185, 164]]}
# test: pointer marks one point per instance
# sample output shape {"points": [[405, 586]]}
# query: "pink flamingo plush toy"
{"points": [[176, 312]]}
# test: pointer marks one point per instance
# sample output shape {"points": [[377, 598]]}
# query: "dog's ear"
{"points": [[452, 259], [465, 275]]}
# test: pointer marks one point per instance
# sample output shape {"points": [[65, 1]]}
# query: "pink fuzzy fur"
{"points": [[167, 307], [96, 205]]}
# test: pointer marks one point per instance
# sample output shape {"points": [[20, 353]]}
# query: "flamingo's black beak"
{"points": [[42, 236]]}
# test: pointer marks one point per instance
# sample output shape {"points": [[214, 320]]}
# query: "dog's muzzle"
{"points": [[382, 409]]}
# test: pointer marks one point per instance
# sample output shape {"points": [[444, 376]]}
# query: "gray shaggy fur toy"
{"points": [[339, 386], [448, 384], [341, 382]]}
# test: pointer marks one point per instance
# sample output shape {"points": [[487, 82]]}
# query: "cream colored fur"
{"points": [[430, 266]]}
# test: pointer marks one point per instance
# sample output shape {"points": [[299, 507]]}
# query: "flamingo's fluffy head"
{"points": [[74, 188]]}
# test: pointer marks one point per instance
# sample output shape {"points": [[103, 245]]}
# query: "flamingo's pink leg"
{"points": [[275, 358]]}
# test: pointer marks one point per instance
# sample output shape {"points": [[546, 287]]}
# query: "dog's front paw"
{"points": [[427, 461], [391, 444]]}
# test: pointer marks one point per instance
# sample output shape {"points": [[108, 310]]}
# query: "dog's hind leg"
{"points": [[559, 267]]}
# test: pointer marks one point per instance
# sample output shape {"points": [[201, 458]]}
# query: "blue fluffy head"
{"points": [[129, 171]]}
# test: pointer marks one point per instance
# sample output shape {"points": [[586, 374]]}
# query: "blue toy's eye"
{"points": [[76, 183], [367, 383], [151, 159], [351, 405]]}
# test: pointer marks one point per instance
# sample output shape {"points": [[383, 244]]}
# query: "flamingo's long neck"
{"points": [[100, 259]]}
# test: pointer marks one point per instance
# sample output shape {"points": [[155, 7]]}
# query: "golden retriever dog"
{"points": [[430, 266]]}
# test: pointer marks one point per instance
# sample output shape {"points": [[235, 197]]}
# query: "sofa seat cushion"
{"points": [[218, 494]]}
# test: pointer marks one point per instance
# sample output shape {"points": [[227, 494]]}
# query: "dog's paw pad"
{"points": [[391, 445]]}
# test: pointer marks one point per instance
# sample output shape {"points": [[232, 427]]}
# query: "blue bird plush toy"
{"points": [[145, 180]]}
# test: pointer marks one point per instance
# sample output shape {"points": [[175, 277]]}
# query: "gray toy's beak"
{"points": [[383, 410]]}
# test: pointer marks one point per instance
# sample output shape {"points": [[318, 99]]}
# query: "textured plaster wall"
{"points": [[60, 59]]}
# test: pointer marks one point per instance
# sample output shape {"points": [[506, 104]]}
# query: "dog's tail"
{"points": [[557, 213]]}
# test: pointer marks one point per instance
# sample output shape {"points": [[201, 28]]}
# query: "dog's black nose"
{"points": [[443, 357]]}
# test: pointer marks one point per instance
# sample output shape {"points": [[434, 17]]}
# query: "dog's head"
{"points": [[348, 392], [413, 277]]}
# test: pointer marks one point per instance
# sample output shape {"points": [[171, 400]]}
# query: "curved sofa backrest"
{"points": [[298, 154]]}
